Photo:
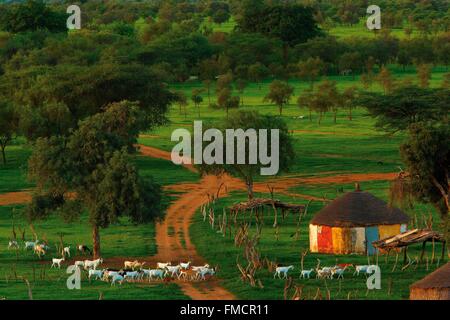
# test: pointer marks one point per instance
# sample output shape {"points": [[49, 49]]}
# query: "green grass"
{"points": [[219, 250], [120, 240], [325, 149], [13, 175]]}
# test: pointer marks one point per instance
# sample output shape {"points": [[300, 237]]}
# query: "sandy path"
{"points": [[11, 198]]}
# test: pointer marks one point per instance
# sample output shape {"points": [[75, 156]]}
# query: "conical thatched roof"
{"points": [[359, 209], [437, 279]]}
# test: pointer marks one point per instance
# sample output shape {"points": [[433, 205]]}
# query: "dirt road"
{"points": [[172, 234]]}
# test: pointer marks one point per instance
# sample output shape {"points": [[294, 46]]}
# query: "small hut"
{"points": [[352, 222], [435, 286]]}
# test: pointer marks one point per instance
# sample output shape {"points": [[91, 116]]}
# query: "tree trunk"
{"points": [[3, 154], [280, 108], [96, 241], [350, 117], [249, 184]]}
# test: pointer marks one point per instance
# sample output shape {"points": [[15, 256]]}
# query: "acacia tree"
{"points": [[424, 75], [325, 98], [305, 100], [241, 85], [197, 99], [311, 69], [347, 98], [9, 123], [252, 120], [182, 101], [423, 115], [93, 162], [385, 79], [279, 93]]}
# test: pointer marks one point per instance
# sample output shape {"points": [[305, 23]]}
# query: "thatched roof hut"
{"points": [[359, 209], [435, 286], [352, 222]]}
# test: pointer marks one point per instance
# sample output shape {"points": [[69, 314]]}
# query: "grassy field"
{"points": [[326, 149], [221, 251], [121, 240]]}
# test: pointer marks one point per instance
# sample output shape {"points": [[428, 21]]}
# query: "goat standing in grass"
{"points": [[98, 274], [57, 262], [306, 274], [66, 250], [13, 244], [30, 244], [284, 270], [117, 278], [39, 250], [339, 272], [361, 269]]}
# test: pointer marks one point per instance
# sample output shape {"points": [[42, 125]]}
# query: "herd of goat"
{"points": [[324, 272], [134, 270]]}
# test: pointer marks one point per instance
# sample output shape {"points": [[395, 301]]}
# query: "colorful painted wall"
{"points": [[341, 240]]}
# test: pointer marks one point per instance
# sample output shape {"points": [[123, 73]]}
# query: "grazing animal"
{"points": [[117, 278], [306, 274], [188, 274], [30, 244], [157, 273], [40, 251], [284, 270], [186, 265], [138, 265], [13, 244], [98, 274], [323, 273], [129, 264], [57, 262], [339, 272], [132, 275], [361, 269], [79, 264], [66, 250], [161, 265], [88, 264], [196, 268], [173, 270], [83, 249], [205, 271]]}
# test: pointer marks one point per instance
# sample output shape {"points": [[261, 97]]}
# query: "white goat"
{"points": [[306, 274], [30, 244], [117, 278], [284, 270], [205, 271], [98, 274], [173, 270], [79, 264], [132, 275], [66, 250], [161, 265], [13, 244], [196, 268], [88, 264], [339, 272], [57, 262], [157, 273], [361, 269], [186, 265]]}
